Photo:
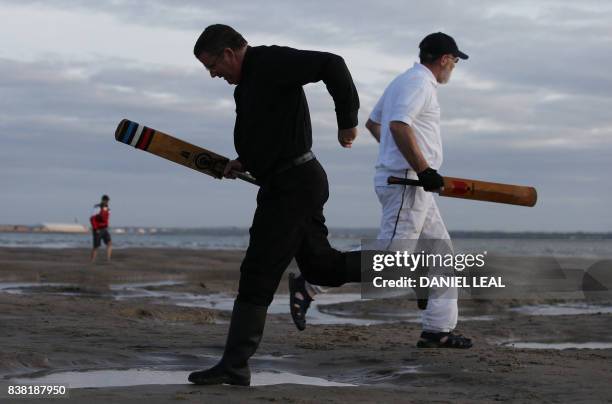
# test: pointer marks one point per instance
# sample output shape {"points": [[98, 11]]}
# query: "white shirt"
{"points": [[410, 98]]}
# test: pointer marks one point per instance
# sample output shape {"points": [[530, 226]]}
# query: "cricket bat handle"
{"points": [[480, 190], [245, 177], [403, 181]]}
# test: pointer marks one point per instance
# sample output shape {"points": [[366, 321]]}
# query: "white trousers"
{"points": [[411, 213]]}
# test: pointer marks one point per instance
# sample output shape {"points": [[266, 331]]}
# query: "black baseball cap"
{"points": [[438, 44], [105, 198]]}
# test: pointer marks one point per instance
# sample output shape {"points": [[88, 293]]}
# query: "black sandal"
{"points": [[434, 340], [298, 307]]}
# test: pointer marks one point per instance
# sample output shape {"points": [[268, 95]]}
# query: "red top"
{"points": [[100, 220]]}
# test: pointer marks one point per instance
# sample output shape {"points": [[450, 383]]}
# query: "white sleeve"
{"points": [[408, 102], [376, 114]]}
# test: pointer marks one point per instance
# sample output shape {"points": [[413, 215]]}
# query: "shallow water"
{"points": [[142, 376], [562, 309], [134, 290], [280, 305], [216, 301], [570, 245], [317, 314], [225, 301], [20, 288], [559, 345]]}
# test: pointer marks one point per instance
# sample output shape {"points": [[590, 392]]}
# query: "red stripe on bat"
{"points": [[144, 139], [459, 187]]}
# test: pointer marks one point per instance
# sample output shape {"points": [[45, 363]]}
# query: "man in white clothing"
{"points": [[406, 123]]}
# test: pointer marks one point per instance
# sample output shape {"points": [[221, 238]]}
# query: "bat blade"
{"points": [[480, 190], [489, 191], [166, 146]]}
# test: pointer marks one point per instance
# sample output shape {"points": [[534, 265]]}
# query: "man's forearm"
{"points": [[408, 146], [374, 129]]}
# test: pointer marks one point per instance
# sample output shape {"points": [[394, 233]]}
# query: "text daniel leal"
{"points": [[440, 281]]}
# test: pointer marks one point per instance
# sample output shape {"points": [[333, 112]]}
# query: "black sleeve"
{"points": [[300, 67]]}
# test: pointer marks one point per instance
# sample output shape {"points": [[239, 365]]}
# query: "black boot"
{"points": [[245, 331]]}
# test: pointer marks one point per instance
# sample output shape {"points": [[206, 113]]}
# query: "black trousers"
{"points": [[289, 223]]}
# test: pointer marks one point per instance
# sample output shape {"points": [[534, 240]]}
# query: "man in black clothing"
{"points": [[273, 137]]}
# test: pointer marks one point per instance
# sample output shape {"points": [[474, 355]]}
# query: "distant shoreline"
{"points": [[340, 232]]}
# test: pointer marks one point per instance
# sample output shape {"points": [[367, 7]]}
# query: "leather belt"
{"points": [[298, 161]]}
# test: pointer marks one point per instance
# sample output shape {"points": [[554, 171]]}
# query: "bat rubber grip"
{"points": [[403, 181], [245, 177]]}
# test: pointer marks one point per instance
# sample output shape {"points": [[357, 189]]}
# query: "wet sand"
{"points": [[79, 323]]}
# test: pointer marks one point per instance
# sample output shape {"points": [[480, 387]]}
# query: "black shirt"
{"points": [[272, 118]]}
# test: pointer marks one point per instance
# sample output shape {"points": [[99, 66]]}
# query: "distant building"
{"points": [[14, 228], [62, 228]]}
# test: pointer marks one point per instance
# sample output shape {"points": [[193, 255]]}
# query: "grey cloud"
{"points": [[536, 112]]}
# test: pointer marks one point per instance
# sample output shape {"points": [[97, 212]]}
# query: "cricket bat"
{"points": [[176, 150], [210, 163], [480, 190]]}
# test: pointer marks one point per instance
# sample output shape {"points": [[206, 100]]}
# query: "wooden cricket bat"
{"points": [[213, 164], [173, 149], [480, 190]]}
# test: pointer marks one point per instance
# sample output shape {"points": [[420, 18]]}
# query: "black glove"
{"points": [[430, 179]]}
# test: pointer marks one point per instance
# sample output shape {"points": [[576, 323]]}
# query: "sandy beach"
{"points": [[144, 310]]}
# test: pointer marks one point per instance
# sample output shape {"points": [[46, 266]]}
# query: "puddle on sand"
{"points": [[188, 360], [280, 305], [225, 302], [123, 291], [21, 288], [391, 375], [120, 291], [559, 345], [136, 377], [217, 301], [317, 314], [562, 309]]}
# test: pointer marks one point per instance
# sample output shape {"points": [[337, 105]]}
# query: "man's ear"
{"points": [[443, 60]]}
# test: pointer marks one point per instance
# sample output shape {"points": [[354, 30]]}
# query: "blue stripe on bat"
{"points": [[129, 132]]}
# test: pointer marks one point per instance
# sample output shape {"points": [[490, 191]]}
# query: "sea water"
{"points": [[516, 244]]}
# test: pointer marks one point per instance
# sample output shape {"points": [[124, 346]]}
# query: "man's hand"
{"points": [[346, 136], [232, 165], [431, 180]]}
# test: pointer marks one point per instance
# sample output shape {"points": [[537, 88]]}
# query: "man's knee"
{"points": [[254, 299], [257, 290]]}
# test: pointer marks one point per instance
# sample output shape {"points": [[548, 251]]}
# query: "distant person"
{"points": [[99, 228]]}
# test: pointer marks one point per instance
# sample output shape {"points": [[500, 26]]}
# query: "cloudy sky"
{"points": [[531, 106]]}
